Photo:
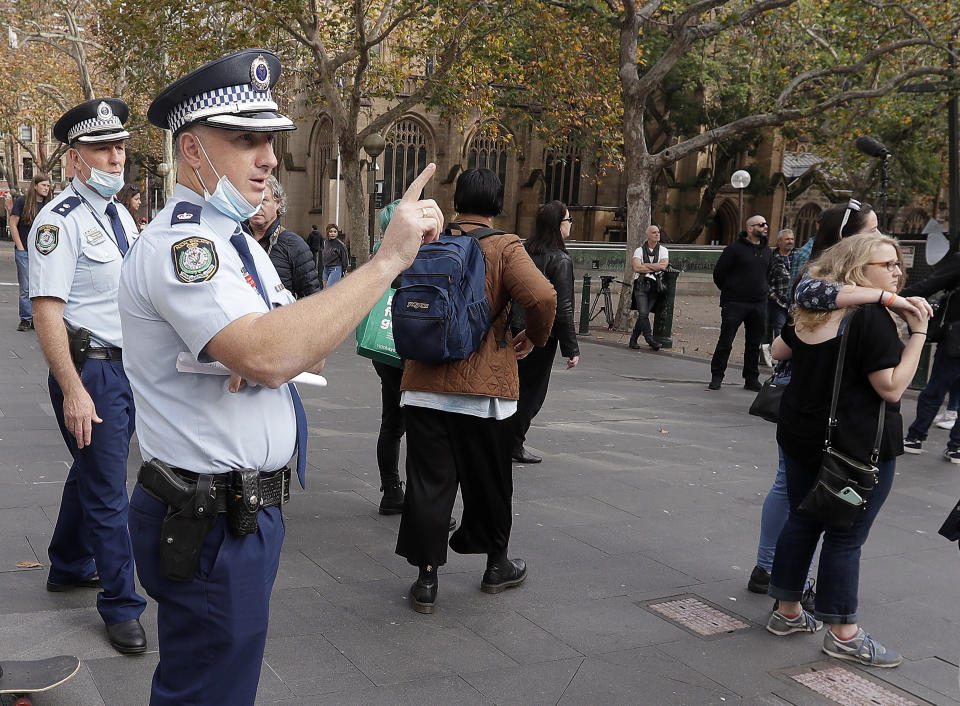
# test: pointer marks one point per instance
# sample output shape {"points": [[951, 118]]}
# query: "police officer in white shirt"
{"points": [[77, 243], [205, 516]]}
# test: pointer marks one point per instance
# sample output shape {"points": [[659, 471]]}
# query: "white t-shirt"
{"points": [[664, 255]]}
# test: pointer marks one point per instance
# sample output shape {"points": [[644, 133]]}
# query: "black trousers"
{"points": [[534, 379], [445, 450], [732, 314], [644, 299], [391, 422]]}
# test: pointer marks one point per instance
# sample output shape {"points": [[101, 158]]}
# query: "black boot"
{"points": [[423, 592], [392, 501], [502, 573], [633, 344]]}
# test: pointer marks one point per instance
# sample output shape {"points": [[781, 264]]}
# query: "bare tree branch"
{"points": [[820, 40]]}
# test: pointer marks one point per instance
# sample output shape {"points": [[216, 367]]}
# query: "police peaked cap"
{"points": [[97, 120], [230, 93]]}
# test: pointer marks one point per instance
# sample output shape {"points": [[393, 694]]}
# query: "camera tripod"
{"points": [[607, 307]]}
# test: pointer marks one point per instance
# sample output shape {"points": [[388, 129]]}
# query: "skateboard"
{"points": [[24, 677]]}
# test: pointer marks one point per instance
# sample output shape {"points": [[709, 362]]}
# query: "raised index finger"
{"points": [[412, 194]]}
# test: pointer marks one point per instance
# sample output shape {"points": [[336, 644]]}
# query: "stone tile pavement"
{"points": [[650, 488]]}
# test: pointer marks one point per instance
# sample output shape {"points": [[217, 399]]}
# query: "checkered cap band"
{"points": [[97, 124], [221, 101]]}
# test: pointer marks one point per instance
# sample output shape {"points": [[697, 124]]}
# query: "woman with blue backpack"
{"points": [[457, 412]]}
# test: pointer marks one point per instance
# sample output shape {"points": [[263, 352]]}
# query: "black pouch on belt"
{"points": [[243, 503]]}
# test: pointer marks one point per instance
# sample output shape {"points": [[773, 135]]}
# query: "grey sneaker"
{"points": [[912, 446], [946, 419], [862, 648], [804, 622], [951, 455]]}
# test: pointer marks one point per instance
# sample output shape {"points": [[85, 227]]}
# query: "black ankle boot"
{"points": [[502, 573], [392, 501], [423, 592]]}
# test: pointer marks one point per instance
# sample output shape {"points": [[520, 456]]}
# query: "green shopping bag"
{"points": [[375, 334]]}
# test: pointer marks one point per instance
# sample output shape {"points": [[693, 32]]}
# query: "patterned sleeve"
{"points": [[817, 294]]}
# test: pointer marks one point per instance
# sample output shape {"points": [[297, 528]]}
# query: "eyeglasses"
{"points": [[852, 205], [568, 219], [891, 265]]}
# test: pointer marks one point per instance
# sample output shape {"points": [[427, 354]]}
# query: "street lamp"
{"points": [[373, 145], [740, 180]]}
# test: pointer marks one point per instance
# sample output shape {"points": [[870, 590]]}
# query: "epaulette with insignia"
{"points": [[185, 212], [67, 205]]}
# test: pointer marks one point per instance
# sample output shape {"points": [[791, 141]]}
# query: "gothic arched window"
{"points": [[489, 152], [324, 150], [805, 226], [562, 175], [404, 158]]}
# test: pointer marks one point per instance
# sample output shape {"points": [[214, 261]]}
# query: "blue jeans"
{"points": [[944, 375], [839, 570], [332, 275], [23, 278], [776, 508]]}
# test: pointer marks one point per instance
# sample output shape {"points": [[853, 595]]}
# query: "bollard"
{"points": [[663, 316], [585, 307], [923, 368]]}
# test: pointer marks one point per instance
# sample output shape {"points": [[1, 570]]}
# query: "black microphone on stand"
{"points": [[872, 148]]}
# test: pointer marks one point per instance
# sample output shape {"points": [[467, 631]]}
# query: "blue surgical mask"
{"points": [[226, 198], [104, 183]]}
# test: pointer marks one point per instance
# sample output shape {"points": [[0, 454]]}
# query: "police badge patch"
{"points": [[194, 260], [47, 239]]}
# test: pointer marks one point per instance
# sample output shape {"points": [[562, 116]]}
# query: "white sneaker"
{"points": [[766, 355], [946, 419]]}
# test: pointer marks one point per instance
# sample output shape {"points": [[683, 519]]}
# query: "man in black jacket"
{"points": [[741, 276], [945, 370]]}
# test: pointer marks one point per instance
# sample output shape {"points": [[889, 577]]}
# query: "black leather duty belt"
{"points": [[274, 486], [104, 354]]}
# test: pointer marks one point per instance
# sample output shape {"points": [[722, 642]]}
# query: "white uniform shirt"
{"points": [[664, 255], [181, 285], [74, 257]]}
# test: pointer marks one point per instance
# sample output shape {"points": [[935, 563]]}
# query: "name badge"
{"points": [[94, 236]]}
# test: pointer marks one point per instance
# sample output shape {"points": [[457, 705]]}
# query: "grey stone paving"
{"points": [[651, 487]]}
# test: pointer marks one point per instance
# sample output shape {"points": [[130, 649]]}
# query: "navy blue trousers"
{"points": [[91, 534], [211, 631]]}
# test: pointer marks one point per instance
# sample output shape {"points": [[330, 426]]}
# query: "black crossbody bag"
{"points": [[844, 484]]}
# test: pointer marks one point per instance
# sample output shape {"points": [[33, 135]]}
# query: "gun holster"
{"points": [[191, 513], [79, 340]]}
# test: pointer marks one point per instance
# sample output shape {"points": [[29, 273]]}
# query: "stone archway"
{"points": [[723, 229]]}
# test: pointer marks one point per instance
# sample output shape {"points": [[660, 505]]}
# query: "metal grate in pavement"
{"points": [[847, 688], [697, 616]]}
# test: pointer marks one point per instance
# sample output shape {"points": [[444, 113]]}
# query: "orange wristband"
{"points": [[889, 301]]}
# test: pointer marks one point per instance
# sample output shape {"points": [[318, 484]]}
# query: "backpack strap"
{"points": [[480, 232]]}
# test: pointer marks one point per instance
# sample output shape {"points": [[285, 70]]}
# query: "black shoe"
{"points": [[127, 637], [392, 501], [759, 580], [634, 345], [654, 345], [92, 582], [752, 385], [506, 574], [523, 456], [809, 597], [24, 325], [453, 524], [423, 592], [714, 383]]}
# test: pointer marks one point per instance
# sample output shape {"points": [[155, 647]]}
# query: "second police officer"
{"points": [[76, 244], [205, 516]]}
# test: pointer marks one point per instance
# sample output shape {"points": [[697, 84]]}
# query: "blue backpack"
{"points": [[440, 309]]}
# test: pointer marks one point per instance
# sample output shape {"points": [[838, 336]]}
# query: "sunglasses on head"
{"points": [[852, 205]]}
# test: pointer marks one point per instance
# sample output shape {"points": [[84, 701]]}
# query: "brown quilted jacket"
{"points": [[489, 370]]}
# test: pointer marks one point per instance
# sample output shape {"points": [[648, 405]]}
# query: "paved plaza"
{"points": [[649, 493]]}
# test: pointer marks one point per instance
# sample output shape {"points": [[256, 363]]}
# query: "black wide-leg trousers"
{"points": [[446, 450]]}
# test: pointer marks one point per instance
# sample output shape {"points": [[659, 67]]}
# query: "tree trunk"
{"points": [[358, 239], [640, 176]]}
